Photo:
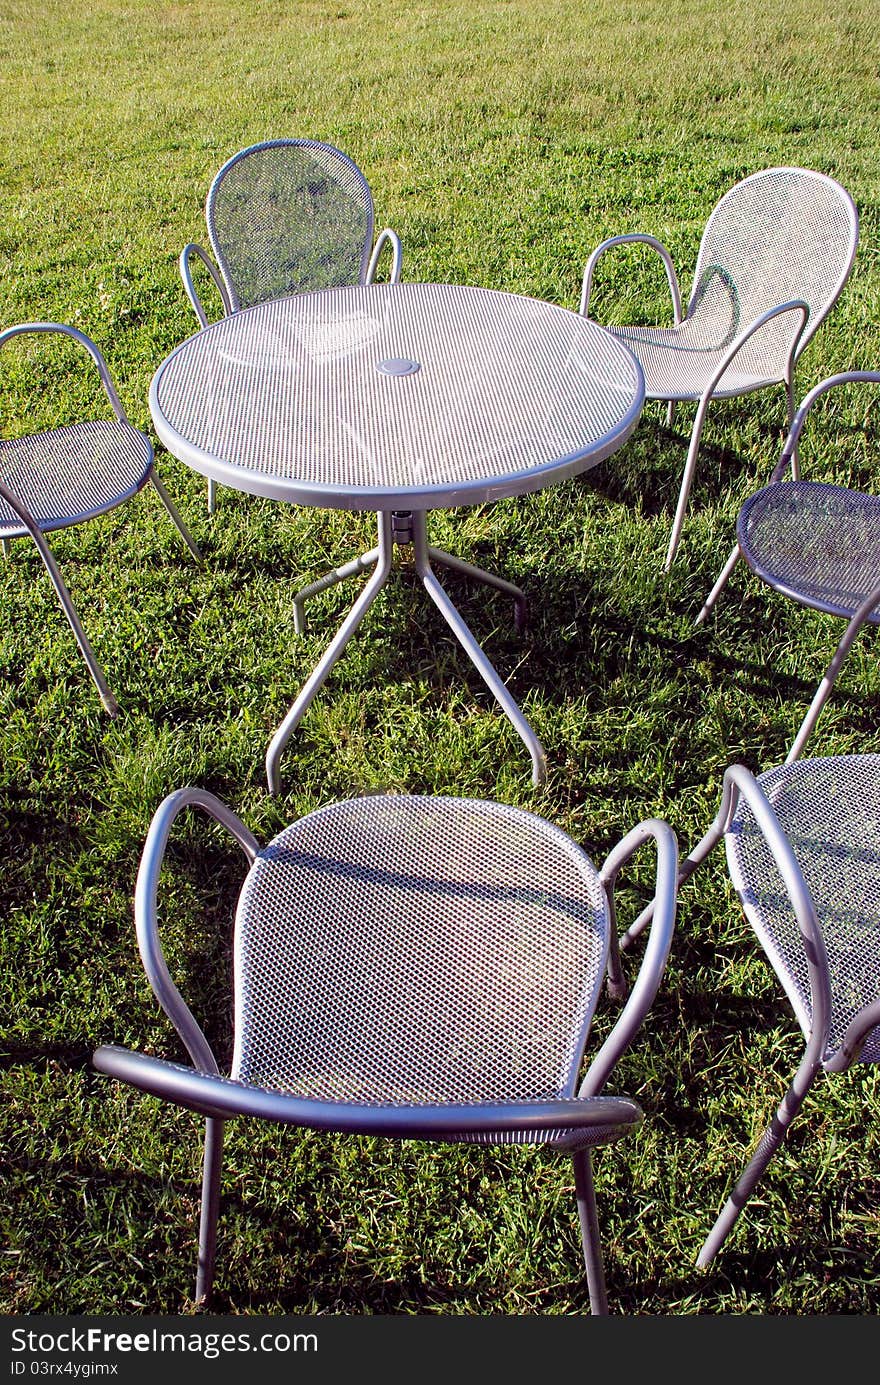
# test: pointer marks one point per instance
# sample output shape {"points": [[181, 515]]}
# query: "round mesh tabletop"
{"points": [[71, 474], [387, 396], [829, 808], [815, 542], [409, 950]]}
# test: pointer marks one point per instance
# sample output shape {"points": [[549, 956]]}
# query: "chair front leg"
{"points": [[210, 1209], [586, 1201], [823, 692], [767, 1146]]}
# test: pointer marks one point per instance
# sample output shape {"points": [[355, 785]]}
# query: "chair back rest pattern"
{"points": [[289, 216], [445, 949], [779, 235], [839, 856]]}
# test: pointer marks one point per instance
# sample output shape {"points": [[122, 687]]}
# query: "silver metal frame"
{"points": [[855, 618], [808, 326], [203, 1089], [37, 531], [219, 269]]}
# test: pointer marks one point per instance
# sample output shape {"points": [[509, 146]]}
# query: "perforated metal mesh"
{"points": [[813, 541], [779, 235], [288, 216], [289, 393], [71, 474], [830, 811], [402, 950]]}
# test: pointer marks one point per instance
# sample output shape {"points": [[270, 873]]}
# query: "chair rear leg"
{"points": [[212, 497], [767, 1146], [586, 1201], [210, 1210], [175, 518]]}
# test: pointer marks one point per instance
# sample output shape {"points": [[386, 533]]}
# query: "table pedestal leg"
{"points": [[423, 553], [318, 677], [404, 528]]}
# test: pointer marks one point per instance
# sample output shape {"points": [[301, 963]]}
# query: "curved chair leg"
{"points": [[686, 481], [586, 1201], [212, 497], [823, 691], [175, 517], [212, 1163], [719, 586], [767, 1146]]}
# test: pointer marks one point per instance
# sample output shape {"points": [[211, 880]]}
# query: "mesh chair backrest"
{"points": [[779, 235], [445, 949], [288, 216], [839, 856]]}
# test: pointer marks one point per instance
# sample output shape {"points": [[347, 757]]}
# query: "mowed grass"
{"points": [[502, 141]]}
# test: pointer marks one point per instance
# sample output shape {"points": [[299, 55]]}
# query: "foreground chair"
{"points": [[773, 259], [73, 473], [815, 542], [418, 968], [286, 216], [803, 854]]}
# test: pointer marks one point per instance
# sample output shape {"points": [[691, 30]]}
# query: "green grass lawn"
{"points": [[503, 140]]}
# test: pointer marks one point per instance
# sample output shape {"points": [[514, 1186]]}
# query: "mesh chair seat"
{"points": [[73, 473], [816, 542], [829, 809], [679, 363], [354, 906]]}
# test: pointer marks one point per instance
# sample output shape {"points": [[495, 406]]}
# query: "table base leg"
{"points": [[318, 677], [414, 532], [423, 553], [339, 574], [520, 609]]}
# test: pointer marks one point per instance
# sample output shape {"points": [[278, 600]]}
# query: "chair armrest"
{"points": [[221, 1097], [85, 342], [391, 239], [790, 449], [187, 253], [858, 1030], [640, 238], [653, 964], [796, 305], [146, 915]]}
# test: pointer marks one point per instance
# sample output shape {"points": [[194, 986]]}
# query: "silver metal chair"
{"points": [[286, 216], [414, 967], [774, 257], [815, 542], [55, 479], [803, 854]]}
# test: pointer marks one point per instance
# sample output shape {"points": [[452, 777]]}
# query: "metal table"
{"points": [[397, 398]]}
